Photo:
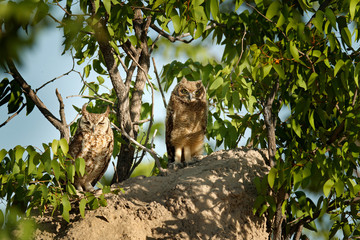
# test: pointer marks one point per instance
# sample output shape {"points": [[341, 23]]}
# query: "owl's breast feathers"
{"points": [[185, 124], [95, 149]]}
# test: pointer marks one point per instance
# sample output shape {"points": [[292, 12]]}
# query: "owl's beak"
{"points": [[190, 96], [93, 128]]}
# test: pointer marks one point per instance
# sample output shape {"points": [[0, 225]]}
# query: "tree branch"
{"points": [[58, 124], [151, 151], [62, 115], [270, 122], [12, 116], [158, 81]]}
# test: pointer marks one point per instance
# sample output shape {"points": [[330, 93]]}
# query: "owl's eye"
{"points": [[184, 91], [198, 92], [87, 122]]}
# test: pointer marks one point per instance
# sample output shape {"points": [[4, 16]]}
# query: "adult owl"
{"points": [[186, 119], [94, 142]]}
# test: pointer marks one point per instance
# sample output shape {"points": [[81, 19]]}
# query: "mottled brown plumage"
{"points": [[186, 120], [93, 141]]}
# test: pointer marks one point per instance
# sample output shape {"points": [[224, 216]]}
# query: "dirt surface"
{"points": [[211, 199]]}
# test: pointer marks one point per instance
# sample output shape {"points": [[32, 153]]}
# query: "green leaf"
{"points": [[327, 187], [356, 74], [3, 153], [294, 51], [107, 5], [97, 5], [29, 105], [331, 17], [70, 170], [87, 70], [217, 83], [338, 66], [318, 21], [272, 177], [64, 146], [311, 119], [346, 36], [279, 70], [80, 166], [352, 8], [199, 30], [214, 8], [157, 3], [100, 79], [66, 207], [19, 151], [296, 127], [102, 201], [273, 10], [82, 206], [71, 189], [339, 188], [176, 22], [55, 146], [56, 168]]}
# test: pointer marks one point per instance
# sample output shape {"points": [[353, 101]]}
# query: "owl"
{"points": [[94, 142], [186, 119]]}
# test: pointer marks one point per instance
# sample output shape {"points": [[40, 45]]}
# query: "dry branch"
{"points": [[58, 124]]}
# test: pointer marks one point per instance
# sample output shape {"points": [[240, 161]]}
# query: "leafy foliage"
{"points": [[42, 181]]}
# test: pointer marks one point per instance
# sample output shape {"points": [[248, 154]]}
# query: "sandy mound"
{"points": [[211, 199]]}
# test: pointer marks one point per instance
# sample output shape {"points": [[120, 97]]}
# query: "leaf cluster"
{"points": [[42, 182]]}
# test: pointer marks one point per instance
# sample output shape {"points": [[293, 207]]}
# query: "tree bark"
{"points": [[128, 110]]}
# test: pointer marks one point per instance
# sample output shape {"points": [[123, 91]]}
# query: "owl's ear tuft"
{"points": [[107, 111], [83, 110], [183, 80]]}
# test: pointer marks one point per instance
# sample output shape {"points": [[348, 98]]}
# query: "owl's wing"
{"points": [[75, 145], [169, 128]]}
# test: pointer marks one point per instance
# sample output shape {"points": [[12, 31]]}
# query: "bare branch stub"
{"points": [[62, 116]]}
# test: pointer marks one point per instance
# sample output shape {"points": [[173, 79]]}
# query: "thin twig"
{"points": [[241, 54], [12, 116], [158, 81], [154, 43], [141, 121], [92, 97], [151, 151], [169, 37]]}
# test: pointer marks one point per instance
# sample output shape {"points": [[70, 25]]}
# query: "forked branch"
{"points": [[58, 124]]}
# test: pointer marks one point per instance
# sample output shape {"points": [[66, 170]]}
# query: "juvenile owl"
{"points": [[93, 141], [186, 119]]}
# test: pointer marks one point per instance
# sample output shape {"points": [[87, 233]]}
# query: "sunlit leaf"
{"points": [[107, 5], [272, 176], [273, 9], [64, 145], [82, 206], [66, 207], [327, 187]]}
